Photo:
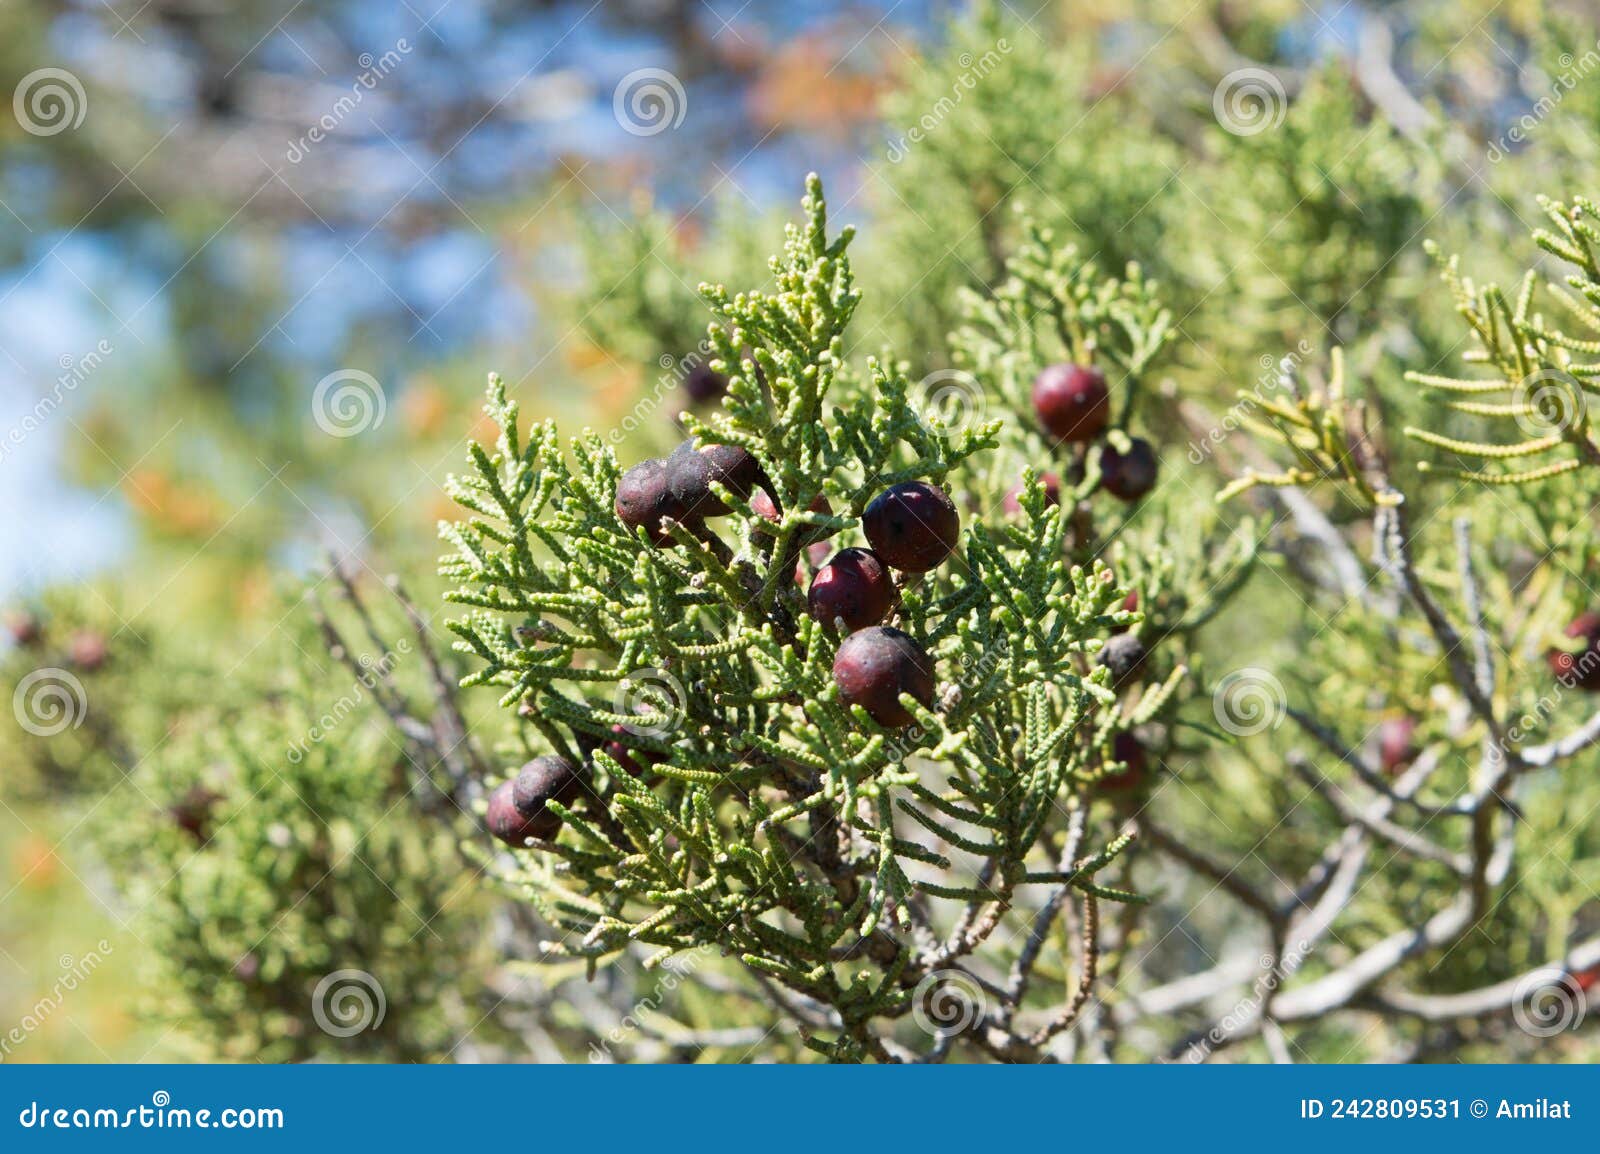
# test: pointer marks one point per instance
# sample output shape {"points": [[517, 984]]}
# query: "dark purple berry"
{"points": [[1130, 604], [703, 384], [1072, 402], [644, 497], [854, 587], [1125, 748], [545, 778], [1052, 494], [764, 506], [913, 526], [506, 822], [628, 758], [1124, 654], [733, 467], [875, 666], [690, 472], [767, 509], [1128, 475]]}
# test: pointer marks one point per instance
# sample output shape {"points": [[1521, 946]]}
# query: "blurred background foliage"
{"points": [[480, 206]]}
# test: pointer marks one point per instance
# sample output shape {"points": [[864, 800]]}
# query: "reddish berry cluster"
{"points": [[1073, 405], [912, 527], [679, 488], [517, 808]]}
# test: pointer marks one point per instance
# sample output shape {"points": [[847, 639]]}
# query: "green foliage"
{"points": [[779, 831], [639, 299], [1546, 368], [786, 878], [1327, 432], [998, 115], [262, 830], [1307, 223], [304, 863]]}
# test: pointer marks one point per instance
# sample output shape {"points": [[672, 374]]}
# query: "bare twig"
{"points": [[1464, 675], [1226, 878], [1405, 840], [1089, 963], [1370, 776], [1538, 756], [1022, 968], [1487, 999]]}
